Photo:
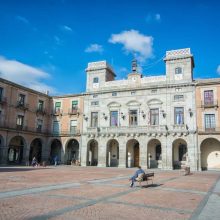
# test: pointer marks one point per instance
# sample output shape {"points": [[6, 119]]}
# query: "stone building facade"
{"points": [[35, 124], [208, 122], [160, 121], [147, 121]]}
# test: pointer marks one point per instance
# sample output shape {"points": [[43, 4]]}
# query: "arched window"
{"points": [[178, 70]]}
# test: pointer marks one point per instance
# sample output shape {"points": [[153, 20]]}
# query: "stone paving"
{"points": [[87, 193]]}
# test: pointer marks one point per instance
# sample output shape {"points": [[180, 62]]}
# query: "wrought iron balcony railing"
{"points": [[209, 103]]}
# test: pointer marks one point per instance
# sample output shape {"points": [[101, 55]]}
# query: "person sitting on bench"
{"points": [[136, 175]]}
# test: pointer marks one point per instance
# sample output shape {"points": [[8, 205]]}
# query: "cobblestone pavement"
{"points": [[87, 193]]}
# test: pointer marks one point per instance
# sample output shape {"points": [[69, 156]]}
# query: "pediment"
{"points": [[133, 103], [154, 102], [114, 104]]}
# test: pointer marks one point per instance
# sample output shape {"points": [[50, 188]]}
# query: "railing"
{"points": [[41, 111], [179, 127], [209, 130], [209, 104], [57, 112], [66, 133], [22, 105], [129, 129], [73, 111], [3, 100]]}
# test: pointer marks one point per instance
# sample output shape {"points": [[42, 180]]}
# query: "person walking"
{"points": [[55, 160]]}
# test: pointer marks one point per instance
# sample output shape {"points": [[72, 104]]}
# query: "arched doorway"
{"points": [[56, 147], [92, 153], [16, 150], [112, 153], [210, 154], [35, 150], [72, 151], [133, 153], [154, 154], [179, 153]]}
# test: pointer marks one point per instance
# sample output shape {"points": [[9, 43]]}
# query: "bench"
{"points": [[145, 177]]}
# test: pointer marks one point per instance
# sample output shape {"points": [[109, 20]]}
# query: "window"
{"points": [[114, 118], [39, 125], [95, 96], [133, 92], [73, 126], [208, 97], [21, 99], [178, 98], [96, 80], [114, 94], [209, 121], [74, 105], [154, 116], [178, 70], [40, 105], [20, 121], [133, 117], [94, 119], [57, 106], [56, 127], [95, 103], [1, 93], [179, 115]]}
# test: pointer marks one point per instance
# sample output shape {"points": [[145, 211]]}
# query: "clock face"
{"points": [[133, 78]]}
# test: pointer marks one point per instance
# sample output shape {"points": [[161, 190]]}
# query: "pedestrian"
{"points": [[137, 174], [34, 162], [55, 160]]}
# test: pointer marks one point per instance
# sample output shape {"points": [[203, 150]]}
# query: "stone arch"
{"points": [[55, 150], [36, 150], [132, 153], [16, 150], [154, 154], [180, 152], [92, 153], [72, 151], [210, 154], [112, 153]]}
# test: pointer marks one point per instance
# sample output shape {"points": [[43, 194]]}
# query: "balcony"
{"points": [[150, 129], [215, 130], [41, 111], [22, 106], [3, 100], [57, 112], [73, 111], [209, 104]]}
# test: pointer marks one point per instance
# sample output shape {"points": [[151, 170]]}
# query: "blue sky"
{"points": [[46, 44]]}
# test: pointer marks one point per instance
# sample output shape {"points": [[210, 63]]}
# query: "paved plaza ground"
{"points": [[68, 192]]}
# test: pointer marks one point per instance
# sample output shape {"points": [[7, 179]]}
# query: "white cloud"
{"points": [[134, 42], [218, 69], [66, 28], [25, 75], [153, 17], [22, 19], [94, 48]]}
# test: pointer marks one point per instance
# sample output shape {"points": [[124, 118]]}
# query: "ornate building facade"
{"points": [[147, 121], [160, 121]]}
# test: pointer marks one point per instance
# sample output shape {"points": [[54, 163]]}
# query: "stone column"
{"points": [[102, 152], [83, 155], [167, 153], [122, 152], [143, 152], [3, 155]]}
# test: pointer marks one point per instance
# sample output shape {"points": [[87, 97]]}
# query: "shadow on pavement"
{"points": [[20, 169]]}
